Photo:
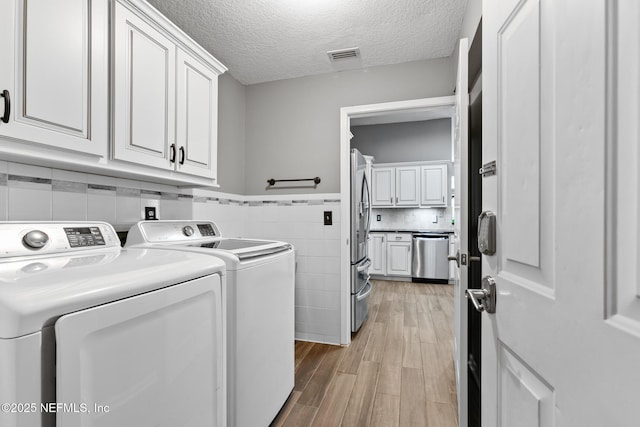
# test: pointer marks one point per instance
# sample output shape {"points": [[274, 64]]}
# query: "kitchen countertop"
{"points": [[402, 230]]}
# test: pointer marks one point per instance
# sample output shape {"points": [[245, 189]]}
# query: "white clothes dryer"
{"points": [[260, 312], [93, 334]]}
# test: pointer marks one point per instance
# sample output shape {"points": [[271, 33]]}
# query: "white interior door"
{"points": [[460, 236], [560, 93]]}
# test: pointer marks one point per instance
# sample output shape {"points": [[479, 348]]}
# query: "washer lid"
{"points": [[244, 248], [35, 291]]}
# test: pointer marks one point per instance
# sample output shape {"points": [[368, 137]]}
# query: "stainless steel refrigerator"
{"points": [[360, 220]]}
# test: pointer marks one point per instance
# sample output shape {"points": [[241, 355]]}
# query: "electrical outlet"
{"points": [[328, 217], [150, 212], [378, 217]]}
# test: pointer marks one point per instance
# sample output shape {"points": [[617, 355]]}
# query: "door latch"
{"points": [[484, 299], [459, 258]]}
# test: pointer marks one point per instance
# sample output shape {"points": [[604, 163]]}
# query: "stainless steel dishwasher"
{"points": [[430, 262]]}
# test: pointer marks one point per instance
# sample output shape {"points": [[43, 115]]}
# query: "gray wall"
{"points": [[231, 134], [293, 126], [404, 142]]}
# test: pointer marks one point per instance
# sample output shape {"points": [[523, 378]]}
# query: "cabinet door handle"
{"points": [[182, 155], [396, 199], [7, 106], [172, 153]]}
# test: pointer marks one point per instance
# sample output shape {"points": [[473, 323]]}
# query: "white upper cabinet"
{"points": [[383, 186], [144, 91], [407, 186], [54, 70], [416, 184], [434, 185], [166, 98], [109, 87], [197, 117]]}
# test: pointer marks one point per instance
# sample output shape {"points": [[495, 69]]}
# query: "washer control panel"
{"points": [[31, 238], [206, 230], [169, 231], [35, 239], [84, 236]]}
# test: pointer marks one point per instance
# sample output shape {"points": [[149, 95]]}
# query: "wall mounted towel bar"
{"points": [[272, 181]]}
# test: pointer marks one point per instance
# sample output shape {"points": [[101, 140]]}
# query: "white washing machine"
{"points": [[95, 335], [260, 312]]}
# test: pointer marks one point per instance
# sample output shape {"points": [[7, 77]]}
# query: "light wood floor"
{"points": [[398, 370]]}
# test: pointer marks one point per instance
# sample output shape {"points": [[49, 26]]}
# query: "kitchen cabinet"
{"points": [[390, 254], [416, 184], [433, 186], [54, 74], [399, 254], [377, 253], [395, 186], [407, 186], [383, 186], [166, 100]]}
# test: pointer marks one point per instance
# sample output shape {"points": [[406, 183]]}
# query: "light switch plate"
{"points": [[328, 218]]}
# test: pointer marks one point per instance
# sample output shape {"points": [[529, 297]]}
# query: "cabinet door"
{"points": [[398, 258], [383, 186], [434, 185], [377, 253], [55, 69], [144, 89], [197, 117], [407, 186]]}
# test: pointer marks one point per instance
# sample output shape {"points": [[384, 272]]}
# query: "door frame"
{"points": [[444, 106]]}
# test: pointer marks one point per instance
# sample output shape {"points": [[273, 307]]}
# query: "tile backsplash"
{"points": [[411, 219], [32, 193]]}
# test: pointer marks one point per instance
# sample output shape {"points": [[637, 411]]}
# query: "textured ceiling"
{"points": [[265, 40]]}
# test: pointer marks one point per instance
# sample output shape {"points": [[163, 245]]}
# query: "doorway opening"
{"points": [[391, 112]]}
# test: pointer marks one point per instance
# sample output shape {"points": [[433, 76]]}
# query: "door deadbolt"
{"points": [[484, 299]]}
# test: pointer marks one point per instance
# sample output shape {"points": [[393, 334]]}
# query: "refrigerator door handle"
{"points": [[365, 190], [364, 266], [366, 292]]}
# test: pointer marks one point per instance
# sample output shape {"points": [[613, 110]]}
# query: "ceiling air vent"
{"points": [[337, 55]]}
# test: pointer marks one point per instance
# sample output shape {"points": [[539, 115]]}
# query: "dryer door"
{"points": [[153, 359]]}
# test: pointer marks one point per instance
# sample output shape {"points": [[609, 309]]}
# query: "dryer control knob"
{"points": [[35, 239], [188, 230]]}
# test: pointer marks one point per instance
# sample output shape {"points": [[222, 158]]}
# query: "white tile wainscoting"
{"points": [[299, 220], [32, 193]]}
